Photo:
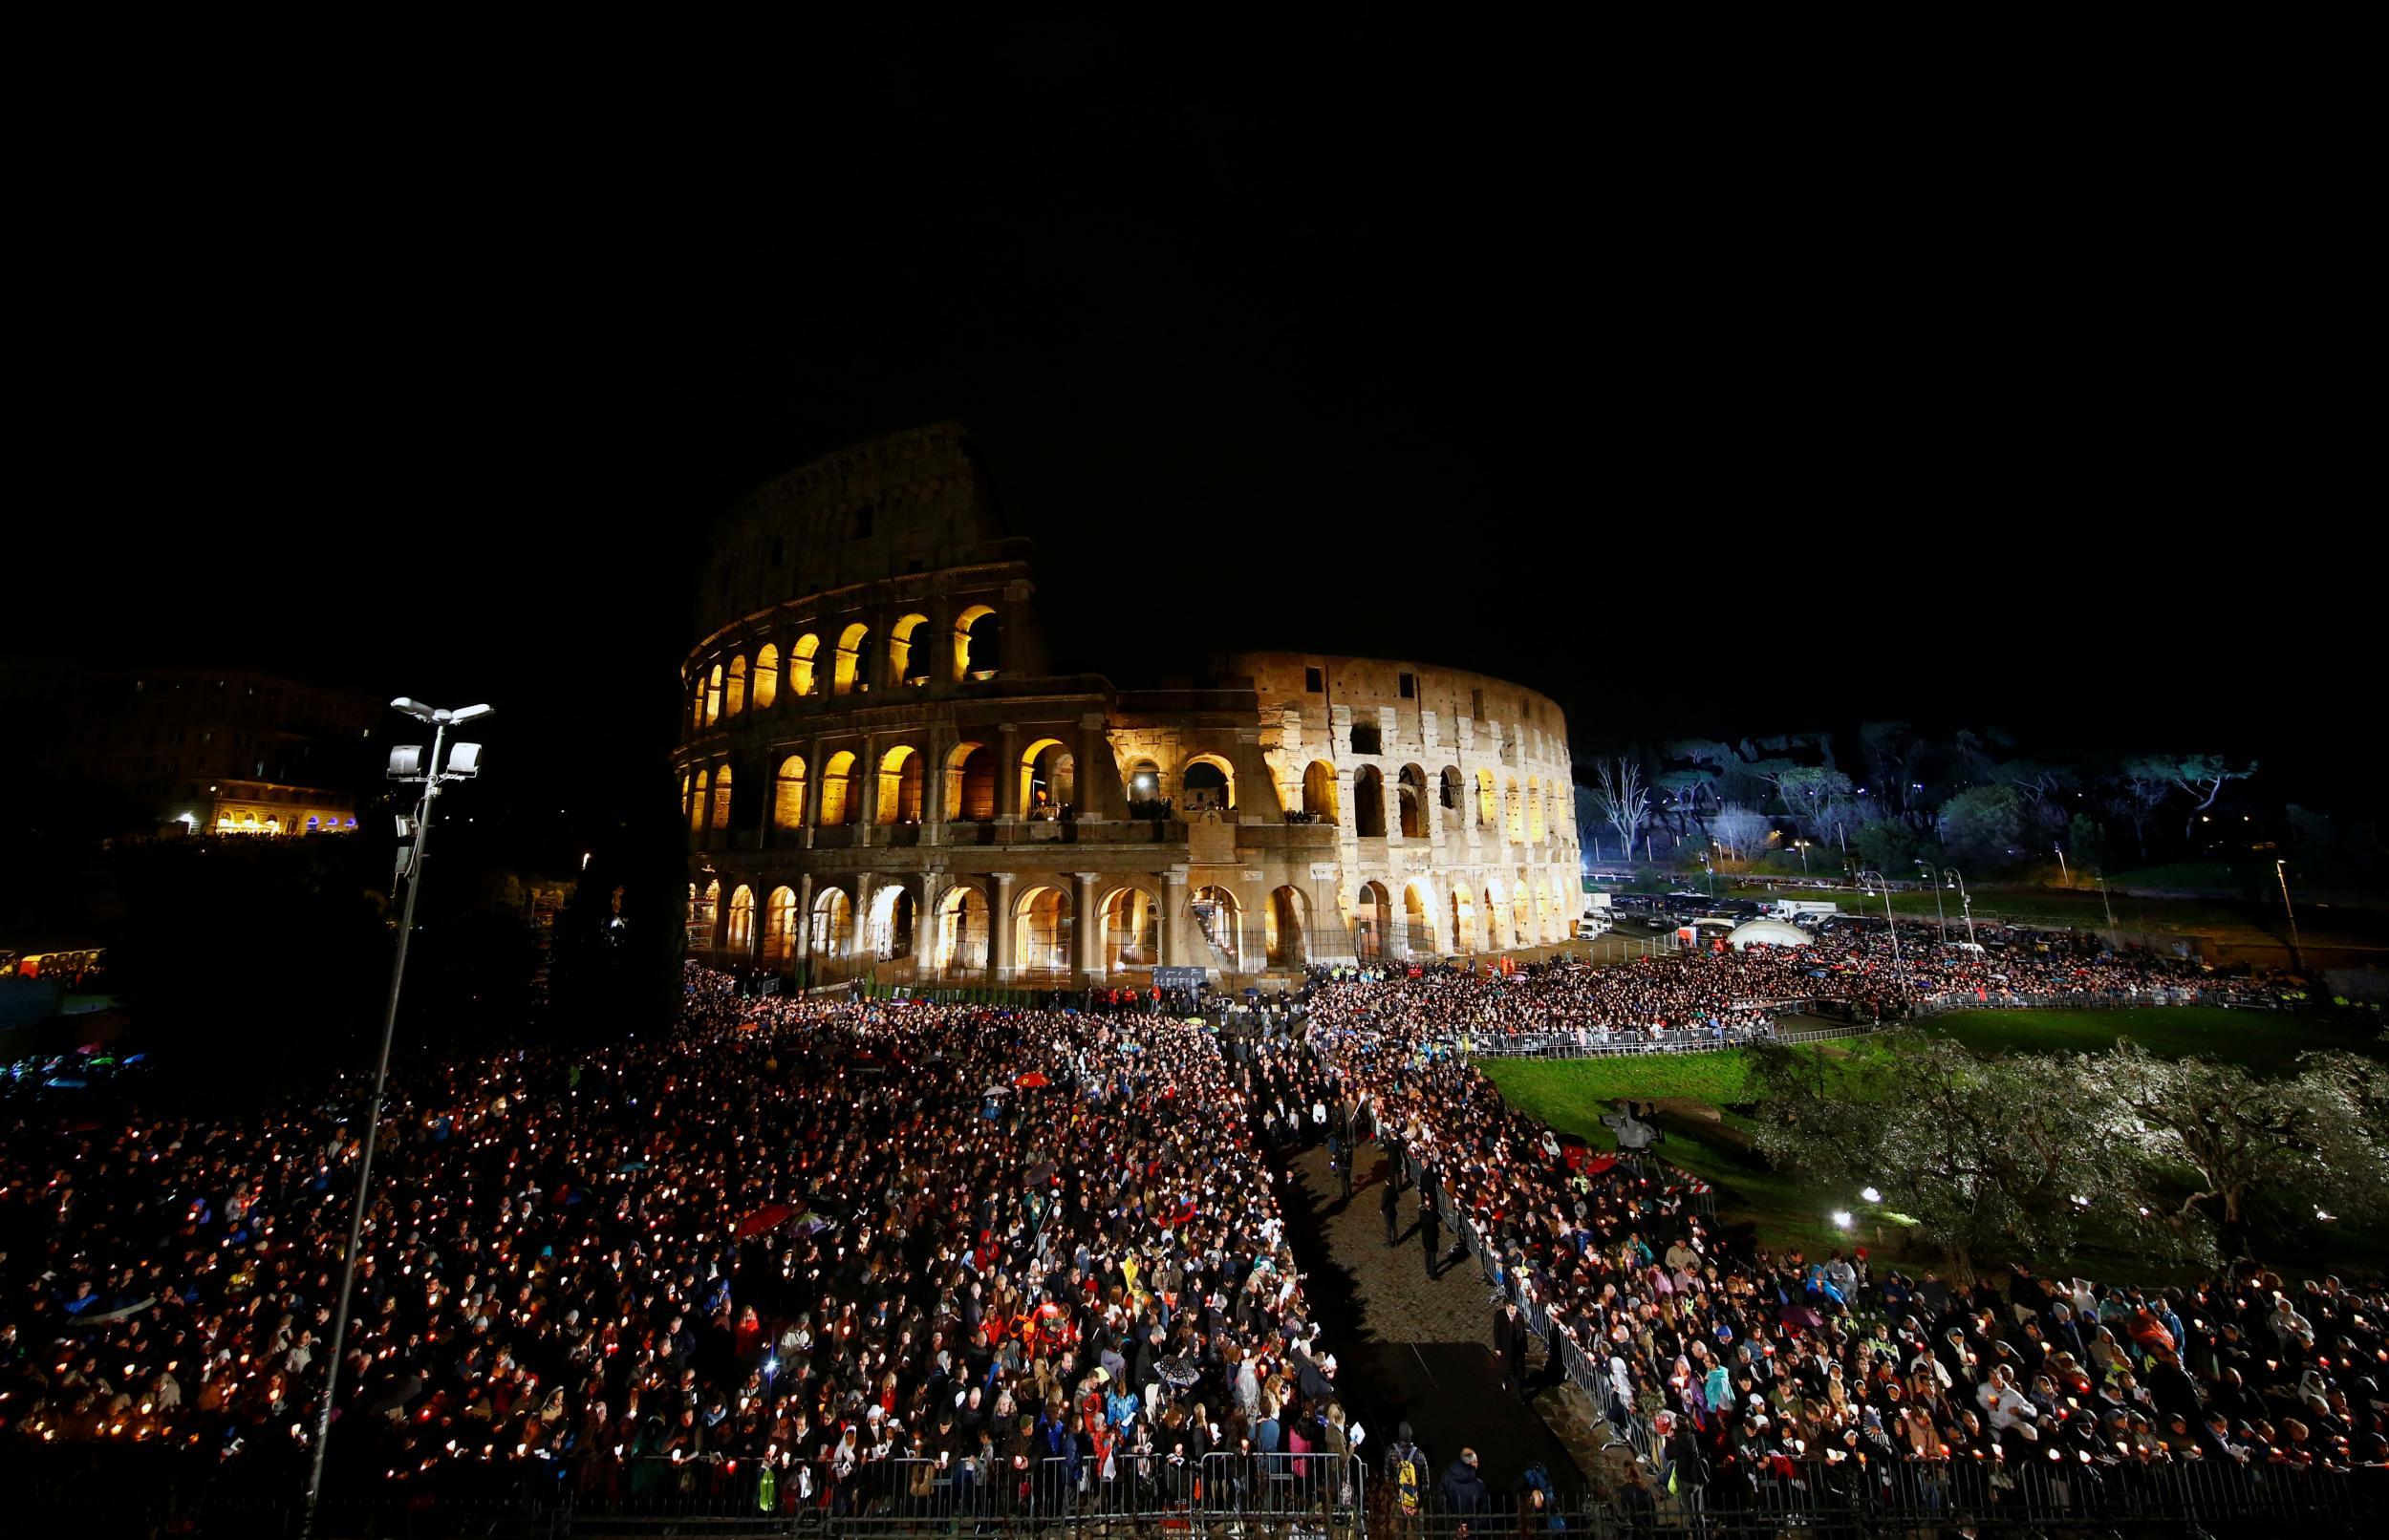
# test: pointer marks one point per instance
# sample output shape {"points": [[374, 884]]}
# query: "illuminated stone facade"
{"points": [[880, 774]]}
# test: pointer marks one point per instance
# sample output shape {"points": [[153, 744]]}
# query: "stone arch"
{"points": [[1128, 930], [899, 786], [1319, 791], [833, 924], [1206, 781], [1522, 915], [908, 664], [1513, 813], [721, 796], [837, 790], [977, 643], [734, 689], [766, 688], [1495, 916], [696, 703], [788, 794], [709, 907], [713, 696], [1373, 918], [1418, 918], [894, 917], [972, 775], [780, 927], [802, 680], [1220, 918], [1410, 802], [851, 672], [700, 801], [1041, 930], [1534, 810], [1485, 811], [1463, 918], [960, 942], [1368, 802], [1141, 782], [1044, 767], [740, 937], [1285, 926]]}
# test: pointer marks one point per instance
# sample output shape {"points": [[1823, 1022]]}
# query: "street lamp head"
{"points": [[467, 714], [414, 709]]}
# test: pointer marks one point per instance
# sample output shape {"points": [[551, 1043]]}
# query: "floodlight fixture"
{"points": [[407, 762], [463, 759]]}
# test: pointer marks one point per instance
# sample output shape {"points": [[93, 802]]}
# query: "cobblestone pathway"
{"points": [[1423, 1351]]}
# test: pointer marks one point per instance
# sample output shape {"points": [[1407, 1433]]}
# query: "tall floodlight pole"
{"points": [[1941, 916], [407, 765], [2065, 878], [2281, 874], [1890, 918], [1952, 874]]}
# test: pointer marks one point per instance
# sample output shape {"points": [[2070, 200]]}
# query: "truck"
{"points": [[1791, 909]]}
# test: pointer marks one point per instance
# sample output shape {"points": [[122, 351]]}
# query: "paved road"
{"points": [[1409, 1348]]}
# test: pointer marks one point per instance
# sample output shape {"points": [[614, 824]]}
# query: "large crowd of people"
{"points": [[862, 1246]]}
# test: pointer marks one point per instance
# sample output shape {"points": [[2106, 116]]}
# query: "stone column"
{"points": [[1098, 789], [1086, 965], [1007, 780], [1000, 922], [867, 819], [1174, 917], [813, 777], [803, 916], [935, 748]]}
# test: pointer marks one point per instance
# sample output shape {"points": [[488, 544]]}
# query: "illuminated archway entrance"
{"points": [[1463, 920], [961, 944], [780, 927], [1042, 933], [1419, 920], [1285, 925], [1221, 921], [1130, 937], [833, 924], [892, 918], [1372, 915]]}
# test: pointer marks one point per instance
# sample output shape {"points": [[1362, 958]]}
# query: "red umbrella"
{"points": [[1032, 1080], [770, 1216]]}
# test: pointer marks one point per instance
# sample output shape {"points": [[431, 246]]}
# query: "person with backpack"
{"points": [[1406, 1477]]}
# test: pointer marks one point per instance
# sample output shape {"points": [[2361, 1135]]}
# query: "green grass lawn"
{"points": [[1571, 1094]]}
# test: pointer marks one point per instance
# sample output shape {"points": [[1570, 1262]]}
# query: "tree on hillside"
{"points": [[1621, 799], [1983, 1154], [1741, 831], [1808, 791], [1685, 797], [1983, 825], [2141, 788], [1891, 750], [2318, 1132]]}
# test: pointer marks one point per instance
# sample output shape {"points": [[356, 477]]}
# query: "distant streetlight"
{"points": [[2281, 874], [2065, 879], [1801, 846], [407, 765], [1941, 916]]}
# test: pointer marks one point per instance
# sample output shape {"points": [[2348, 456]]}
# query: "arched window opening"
{"points": [[708, 904], [977, 643], [962, 942], [721, 797], [852, 673], [697, 705], [780, 927], [1042, 932], [1144, 791], [899, 786], [1372, 915], [1463, 920], [734, 698], [971, 783], [712, 697], [892, 918], [1411, 792], [700, 805], [1418, 921], [742, 936], [801, 664], [837, 790], [1513, 813], [1045, 780], [1368, 802], [1130, 937], [903, 665], [1533, 809], [687, 785], [1451, 784], [833, 924], [787, 798], [1284, 923], [1522, 916], [1319, 793], [1484, 800], [1220, 919], [1207, 786], [766, 686]]}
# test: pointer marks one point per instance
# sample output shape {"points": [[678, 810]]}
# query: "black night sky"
{"points": [[1703, 407]]}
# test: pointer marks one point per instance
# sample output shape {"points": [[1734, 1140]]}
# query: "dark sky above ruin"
{"points": [[1705, 404]]}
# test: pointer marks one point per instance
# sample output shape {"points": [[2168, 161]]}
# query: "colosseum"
{"points": [[883, 777]]}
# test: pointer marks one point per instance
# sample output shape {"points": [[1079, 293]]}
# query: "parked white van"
{"points": [[1791, 909]]}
